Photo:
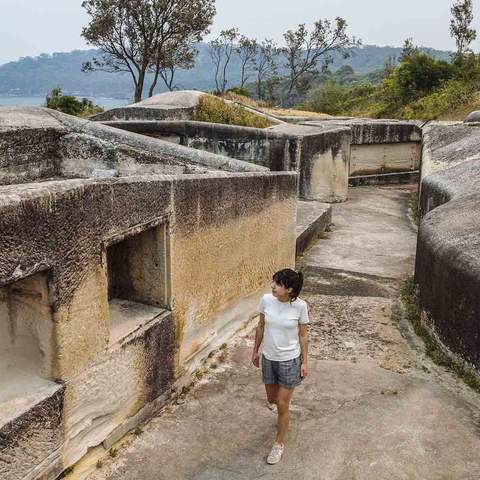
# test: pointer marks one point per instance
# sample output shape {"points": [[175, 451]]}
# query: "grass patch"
{"points": [[215, 110], [432, 346], [414, 206]]}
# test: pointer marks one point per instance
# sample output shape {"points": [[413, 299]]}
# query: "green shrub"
{"points": [[215, 110], [328, 98], [418, 75], [454, 94], [70, 105]]}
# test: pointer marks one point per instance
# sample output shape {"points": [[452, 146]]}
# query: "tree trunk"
{"points": [[139, 86], [154, 84]]}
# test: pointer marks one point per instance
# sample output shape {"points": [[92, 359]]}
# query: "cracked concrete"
{"points": [[373, 406]]}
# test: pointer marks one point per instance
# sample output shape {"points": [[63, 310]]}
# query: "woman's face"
{"points": [[279, 291]]}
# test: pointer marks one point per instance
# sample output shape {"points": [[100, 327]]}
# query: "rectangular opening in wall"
{"points": [[138, 280], [26, 344]]}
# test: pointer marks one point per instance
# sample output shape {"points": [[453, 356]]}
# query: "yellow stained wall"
{"points": [[215, 267]]}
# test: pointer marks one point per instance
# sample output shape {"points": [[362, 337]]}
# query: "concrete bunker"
{"points": [[139, 238], [320, 154]]}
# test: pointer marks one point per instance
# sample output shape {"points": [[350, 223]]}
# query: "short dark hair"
{"points": [[289, 278]]}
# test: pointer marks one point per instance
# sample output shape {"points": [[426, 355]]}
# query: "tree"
{"points": [[390, 64], [408, 50], [221, 50], [247, 51], [177, 57], [266, 64], [136, 36], [304, 49], [418, 75], [462, 17]]}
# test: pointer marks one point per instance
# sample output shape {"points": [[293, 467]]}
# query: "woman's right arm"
{"points": [[258, 340]]}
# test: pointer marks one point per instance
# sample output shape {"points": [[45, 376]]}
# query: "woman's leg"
{"points": [[272, 392], [283, 405]]}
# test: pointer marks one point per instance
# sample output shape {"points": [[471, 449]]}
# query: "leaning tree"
{"points": [[137, 36], [304, 50]]}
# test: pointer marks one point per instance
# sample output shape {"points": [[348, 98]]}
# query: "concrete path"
{"points": [[373, 407]]}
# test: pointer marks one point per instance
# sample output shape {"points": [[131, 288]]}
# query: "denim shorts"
{"points": [[286, 374]]}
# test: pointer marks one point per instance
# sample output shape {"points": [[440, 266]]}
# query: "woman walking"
{"points": [[284, 332]]}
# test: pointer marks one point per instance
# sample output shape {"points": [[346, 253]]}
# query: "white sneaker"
{"points": [[275, 454], [271, 406]]}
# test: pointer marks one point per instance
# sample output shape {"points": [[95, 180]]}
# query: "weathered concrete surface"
{"points": [[179, 105], [321, 154], [38, 144], [447, 271], [381, 146], [372, 408]]}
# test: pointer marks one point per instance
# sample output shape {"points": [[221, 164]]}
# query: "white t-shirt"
{"points": [[280, 338]]}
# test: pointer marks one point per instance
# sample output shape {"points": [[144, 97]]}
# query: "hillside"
{"points": [[37, 76]]}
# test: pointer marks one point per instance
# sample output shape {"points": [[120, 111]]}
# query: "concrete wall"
{"points": [[447, 272], [381, 146], [39, 144], [224, 235], [320, 155]]}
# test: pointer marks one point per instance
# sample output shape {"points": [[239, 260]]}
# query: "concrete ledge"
{"points": [[385, 179], [313, 218]]}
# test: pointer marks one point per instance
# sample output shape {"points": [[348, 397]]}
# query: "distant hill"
{"points": [[32, 76]]}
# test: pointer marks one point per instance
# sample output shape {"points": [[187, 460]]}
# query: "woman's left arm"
{"points": [[303, 335]]}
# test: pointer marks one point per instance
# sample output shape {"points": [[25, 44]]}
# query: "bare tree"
{"points": [[175, 54], [304, 49], [180, 57], [221, 50], [460, 27], [266, 65], [247, 51], [135, 35]]}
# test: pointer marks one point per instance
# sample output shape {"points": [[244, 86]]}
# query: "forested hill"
{"points": [[37, 76]]}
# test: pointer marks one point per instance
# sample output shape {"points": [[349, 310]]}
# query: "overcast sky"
{"points": [[31, 27]]}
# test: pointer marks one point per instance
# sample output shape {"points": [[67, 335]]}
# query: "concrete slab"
{"points": [[373, 407], [313, 218]]}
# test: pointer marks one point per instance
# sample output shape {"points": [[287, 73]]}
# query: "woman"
{"points": [[284, 331]]}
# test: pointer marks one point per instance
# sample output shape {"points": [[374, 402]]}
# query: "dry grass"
{"points": [[291, 112], [216, 110], [460, 113]]}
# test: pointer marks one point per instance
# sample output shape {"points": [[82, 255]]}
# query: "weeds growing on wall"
{"points": [[414, 208], [433, 348], [215, 110]]}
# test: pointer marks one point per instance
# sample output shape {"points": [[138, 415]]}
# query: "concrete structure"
{"points": [[319, 154], [448, 254], [113, 290], [381, 146], [165, 106], [373, 406]]}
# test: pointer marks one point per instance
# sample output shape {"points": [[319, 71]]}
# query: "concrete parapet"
{"points": [[180, 105], [447, 271], [381, 146], [319, 154], [39, 144]]}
